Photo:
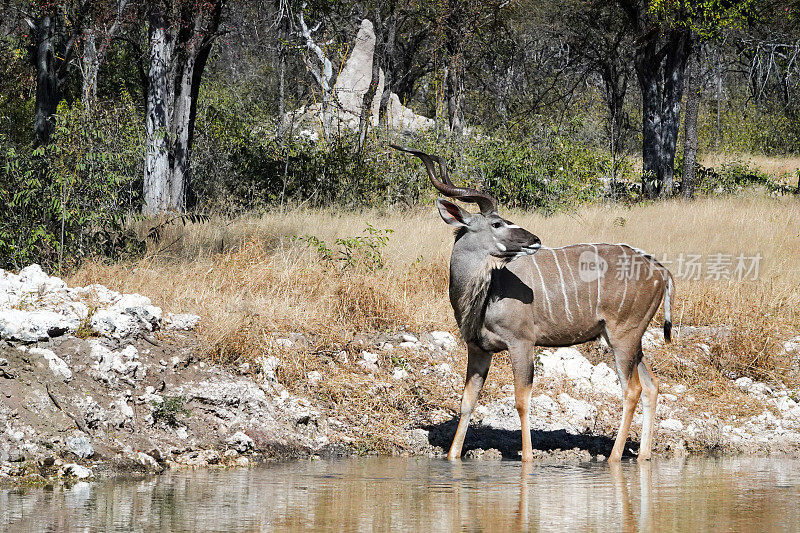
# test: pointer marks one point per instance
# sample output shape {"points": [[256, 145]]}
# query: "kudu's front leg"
{"points": [[477, 367]]}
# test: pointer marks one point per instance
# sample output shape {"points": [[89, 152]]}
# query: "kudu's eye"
{"points": [[496, 225]]}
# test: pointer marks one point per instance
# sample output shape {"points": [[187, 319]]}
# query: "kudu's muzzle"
{"points": [[519, 242]]}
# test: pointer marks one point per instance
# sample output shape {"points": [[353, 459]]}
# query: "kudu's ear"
{"points": [[452, 214]]}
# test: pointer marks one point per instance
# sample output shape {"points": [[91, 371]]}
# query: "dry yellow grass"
{"points": [[250, 281], [249, 271]]}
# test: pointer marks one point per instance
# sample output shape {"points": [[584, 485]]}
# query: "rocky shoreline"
{"points": [[96, 383]]}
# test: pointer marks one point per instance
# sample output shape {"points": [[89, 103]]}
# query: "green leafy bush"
{"points": [[362, 252], [735, 176], [170, 410], [69, 199], [746, 127], [522, 174]]}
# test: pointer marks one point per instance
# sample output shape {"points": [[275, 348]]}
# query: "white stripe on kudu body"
{"points": [[544, 289], [504, 299], [597, 305], [625, 290], [574, 282], [563, 288]]}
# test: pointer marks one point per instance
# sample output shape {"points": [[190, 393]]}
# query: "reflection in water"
{"points": [[426, 494]]}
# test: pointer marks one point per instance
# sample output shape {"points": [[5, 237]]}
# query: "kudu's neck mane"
{"points": [[470, 280]]}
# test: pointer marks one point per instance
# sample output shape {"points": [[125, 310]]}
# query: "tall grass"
{"points": [[250, 280]]}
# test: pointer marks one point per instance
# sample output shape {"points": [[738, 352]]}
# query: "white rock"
{"points": [[543, 404], [653, 338], [52, 308], [131, 301], [100, 293], [314, 377], [444, 370], [76, 471], [122, 414], [184, 321], [35, 280], [80, 446], [240, 442], [139, 308], [502, 414], [57, 365], [410, 345], [444, 339], [76, 311], [122, 363], [110, 323], [284, 343], [418, 437], [147, 461], [400, 117], [792, 345], [369, 357], [679, 389], [399, 374], [671, 424], [744, 384], [576, 366], [569, 362], [784, 403], [406, 337], [356, 74], [580, 414], [268, 366], [605, 379], [33, 326], [149, 397]]}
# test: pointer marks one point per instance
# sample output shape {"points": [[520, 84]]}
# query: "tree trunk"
{"points": [[615, 81], [179, 52], [660, 72], [690, 126], [48, 89], [454, 95], [157, 172], [94, 54], [90, 70], [181, 118]]}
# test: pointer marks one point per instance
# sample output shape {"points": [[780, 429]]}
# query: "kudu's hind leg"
{"points": [[477, 367], [522, 364], [627, 359], [649, 385]]}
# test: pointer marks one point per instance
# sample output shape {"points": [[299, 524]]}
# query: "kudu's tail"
{"points": [[668, 309]]}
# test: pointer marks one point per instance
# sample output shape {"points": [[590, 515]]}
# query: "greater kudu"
{"points": [[506, 298]]}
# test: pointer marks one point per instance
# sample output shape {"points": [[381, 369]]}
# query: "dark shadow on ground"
{"points": [[510, 442]]}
